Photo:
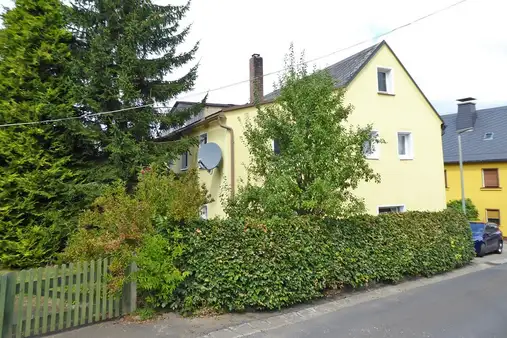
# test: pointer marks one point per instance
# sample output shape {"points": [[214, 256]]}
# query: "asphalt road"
{"points": [[469, 306]]}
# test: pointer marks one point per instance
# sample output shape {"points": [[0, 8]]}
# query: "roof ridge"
{"points": [[356, 54]]}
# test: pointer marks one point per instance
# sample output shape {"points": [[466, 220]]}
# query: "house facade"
{"points": [[484, 150], [384, 95]]}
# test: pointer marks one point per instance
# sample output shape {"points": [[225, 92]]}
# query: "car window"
{"points": [[477, 228], [491, 227]]}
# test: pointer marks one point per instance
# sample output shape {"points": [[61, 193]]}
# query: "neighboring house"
{"points": [[484, 150], [383, 94]]}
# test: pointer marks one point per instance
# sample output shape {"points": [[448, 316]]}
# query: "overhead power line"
{"points": [[81, 117], [239, 82], [336, 51]]}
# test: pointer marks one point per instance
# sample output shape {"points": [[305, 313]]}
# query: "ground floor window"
{"points": [[390, 208], [203, 213], [493, 216]]}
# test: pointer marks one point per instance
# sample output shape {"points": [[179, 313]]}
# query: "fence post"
{"points": [[10, 297], [129, 292]]}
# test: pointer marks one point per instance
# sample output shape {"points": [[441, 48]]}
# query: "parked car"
{"points": [[487, 238]]}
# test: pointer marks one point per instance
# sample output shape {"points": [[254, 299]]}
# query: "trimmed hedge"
{"points": [[235, 265]]}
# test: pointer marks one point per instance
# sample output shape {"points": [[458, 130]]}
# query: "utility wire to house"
{"points": [[239, 82], [336, 51]]}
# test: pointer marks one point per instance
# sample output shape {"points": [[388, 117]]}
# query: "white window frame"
{"points": [[184, 166], [273, 146], [389, 79], [203, 212], [375, 155], [401, 206], [409, 147], [201, 137]]}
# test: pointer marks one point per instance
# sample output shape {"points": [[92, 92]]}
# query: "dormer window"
{"points": [[385, 80], [488, 137]]}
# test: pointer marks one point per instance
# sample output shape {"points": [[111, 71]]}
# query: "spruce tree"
{"points": [[125, 52], [41, 186]]}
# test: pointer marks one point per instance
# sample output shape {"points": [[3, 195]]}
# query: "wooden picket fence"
{"points": [[45, 300]]}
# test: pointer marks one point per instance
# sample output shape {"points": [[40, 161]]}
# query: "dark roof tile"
{"points": [[344, 71], [475, 148]]}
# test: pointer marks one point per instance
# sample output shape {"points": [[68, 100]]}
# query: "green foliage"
{"points": [[237, 265], [321, 159], [42, 184], [124, 53], [158, 277], [471, 209], [146, 313], [118, 223]]}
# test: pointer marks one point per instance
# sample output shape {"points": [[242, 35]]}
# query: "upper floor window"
{"points": [[405, 146], [385, 80], [203, 139], [371, 148], [276, 147], [184, 161], [490, 178], [445, 176]]}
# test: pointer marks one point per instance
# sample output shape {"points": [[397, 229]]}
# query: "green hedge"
{"points": [[235, 265]]}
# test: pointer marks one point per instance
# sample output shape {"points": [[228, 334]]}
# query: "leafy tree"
{"points": [[124, 52], [315, 161], [41, 185], [471, 210]]}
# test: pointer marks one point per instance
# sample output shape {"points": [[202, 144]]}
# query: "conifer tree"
{"points": [[42, 187], [125, 53]]}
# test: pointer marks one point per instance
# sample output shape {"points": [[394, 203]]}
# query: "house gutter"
{"points": [[231, 131]]}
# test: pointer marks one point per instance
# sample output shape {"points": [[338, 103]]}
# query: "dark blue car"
{"points": [[487, 238]]}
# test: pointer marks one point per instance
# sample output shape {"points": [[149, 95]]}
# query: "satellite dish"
{"points": [[209, 156]]}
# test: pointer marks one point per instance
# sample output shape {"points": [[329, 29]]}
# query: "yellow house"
{"points": [[484, 149], [383, 94]]}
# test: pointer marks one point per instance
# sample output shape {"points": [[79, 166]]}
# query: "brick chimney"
{"points": [[466, 114], [256, 79]]}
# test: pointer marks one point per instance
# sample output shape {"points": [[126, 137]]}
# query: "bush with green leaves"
{"points": [[119, 224], [471, 209], [158, 277], [235, 265]]}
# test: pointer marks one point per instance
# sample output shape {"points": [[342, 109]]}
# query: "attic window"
{"points": [[488, 137], [385, 80]]}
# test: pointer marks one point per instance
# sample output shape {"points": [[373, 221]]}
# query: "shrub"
{"points": [[236, 265], [157, 276], [471, 209], [119, 223]]}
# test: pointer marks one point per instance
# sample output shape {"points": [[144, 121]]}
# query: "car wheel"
{"points": [[499, 250], [482, 251]]}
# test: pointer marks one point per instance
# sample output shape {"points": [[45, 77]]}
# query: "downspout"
{"points": [[231, 131]]}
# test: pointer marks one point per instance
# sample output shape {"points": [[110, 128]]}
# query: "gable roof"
{"points": [[344, 71], [474, 147]]}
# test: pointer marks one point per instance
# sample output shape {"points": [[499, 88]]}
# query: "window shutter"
{"points": [[493, 214], [490, 178]]}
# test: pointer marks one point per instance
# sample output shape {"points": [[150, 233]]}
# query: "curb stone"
{"points": [[275, 322], [497, 262]]}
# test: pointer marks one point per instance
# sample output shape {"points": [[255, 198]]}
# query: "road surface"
{"points": [[469, 306]]}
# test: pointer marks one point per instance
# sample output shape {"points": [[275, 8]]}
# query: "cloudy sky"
{"points": [[456, 53]]}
